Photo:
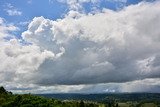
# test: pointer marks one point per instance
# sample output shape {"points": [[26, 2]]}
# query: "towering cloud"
{"points": [[105, 47]]}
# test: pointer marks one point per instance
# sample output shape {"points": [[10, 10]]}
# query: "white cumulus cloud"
{"points": [[107, 47]]}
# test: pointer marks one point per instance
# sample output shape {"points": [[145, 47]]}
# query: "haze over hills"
{"points": [[101, 97]]}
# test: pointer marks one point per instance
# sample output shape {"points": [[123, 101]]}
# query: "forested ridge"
{"points": [[7, 99]]}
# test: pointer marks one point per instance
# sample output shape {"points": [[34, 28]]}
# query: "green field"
{"points": [[149, 105], [123, 105]]}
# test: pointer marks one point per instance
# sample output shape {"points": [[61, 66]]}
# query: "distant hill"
{"points": [[106, 96]]}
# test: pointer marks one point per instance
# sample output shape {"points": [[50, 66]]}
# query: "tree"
{"points": [[116, 104], [109, 104], [2, 90], [17, 100], [81, 104]]}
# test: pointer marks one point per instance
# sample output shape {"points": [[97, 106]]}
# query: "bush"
{"points": [[27, 105]]}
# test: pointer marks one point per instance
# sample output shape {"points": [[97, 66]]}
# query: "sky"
{"points": [[80, 46]]}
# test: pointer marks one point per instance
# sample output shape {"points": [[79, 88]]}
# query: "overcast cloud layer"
{"points": [[120, 48]]}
